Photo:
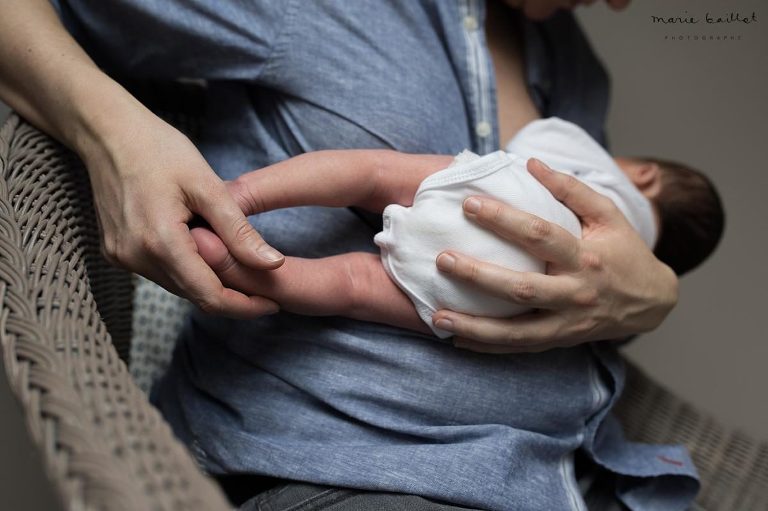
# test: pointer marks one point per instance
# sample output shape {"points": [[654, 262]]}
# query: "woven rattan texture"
{"points": [[733, 467], [104, 446]]}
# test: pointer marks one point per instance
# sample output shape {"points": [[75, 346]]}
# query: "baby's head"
{"points": [[688, 209]]}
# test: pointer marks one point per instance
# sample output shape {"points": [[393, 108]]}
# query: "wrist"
{"points": [[106, 119], [359, 282]]}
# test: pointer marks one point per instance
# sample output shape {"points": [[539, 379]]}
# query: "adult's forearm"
{"points": [[48, 78], [148, 179]]}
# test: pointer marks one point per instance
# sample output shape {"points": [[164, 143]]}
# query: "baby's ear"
{"points": [[648, 172], [647, 178], [644, 174]]}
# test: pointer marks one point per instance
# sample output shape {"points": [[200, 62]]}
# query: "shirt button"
{"points": [[483, 129], [470, 23]]}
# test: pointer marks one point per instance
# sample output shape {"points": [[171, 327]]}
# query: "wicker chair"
{"points": [[66, 323]]}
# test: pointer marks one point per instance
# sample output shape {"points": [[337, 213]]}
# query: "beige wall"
{"points": [[702, 102]]}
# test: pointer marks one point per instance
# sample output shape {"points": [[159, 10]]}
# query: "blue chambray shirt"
{"points": [[343, 402]]}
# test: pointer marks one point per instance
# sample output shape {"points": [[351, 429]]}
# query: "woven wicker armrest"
{"points": [[104, 445], [733, 466]]}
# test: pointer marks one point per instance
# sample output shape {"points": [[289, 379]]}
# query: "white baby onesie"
{"points": [[413, 237]]}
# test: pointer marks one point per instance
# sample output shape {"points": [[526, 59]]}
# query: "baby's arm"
{"points": [[353, 285], [367, 178]]}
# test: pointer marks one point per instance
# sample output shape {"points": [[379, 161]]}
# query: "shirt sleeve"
{"points": [[177, 38]]}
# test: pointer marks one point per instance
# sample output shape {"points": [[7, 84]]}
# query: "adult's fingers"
{"points": [[542, 239], [228, 221], [526, 331], [227, 268], [193, 278], [577, 196], [535, 290]]}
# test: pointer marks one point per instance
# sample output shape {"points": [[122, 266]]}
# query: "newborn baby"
{"points": [[673, 208], [413, 237]]}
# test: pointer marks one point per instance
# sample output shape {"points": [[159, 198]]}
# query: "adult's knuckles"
{"points": [[151, 242], [586, 298], [583, 328], [467, 270], [592, 261], [521, 290], [492, 213], [121, 252], [210, 304], [537, 231], [247, 199], [243, 232]]}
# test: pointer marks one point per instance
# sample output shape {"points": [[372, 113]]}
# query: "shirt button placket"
{"points": [[483, 129], [470, 23]]}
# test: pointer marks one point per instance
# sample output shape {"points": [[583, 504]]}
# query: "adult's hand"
{"points": [[147, 178], [607, 285], [147, 187]]}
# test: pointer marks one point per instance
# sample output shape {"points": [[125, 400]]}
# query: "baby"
{"points": [[674, 209]]}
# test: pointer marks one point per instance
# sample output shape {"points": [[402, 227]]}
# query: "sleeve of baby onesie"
{"points": [[413, 237]]}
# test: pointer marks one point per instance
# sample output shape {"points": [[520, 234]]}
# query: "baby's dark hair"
{"points": [[691, 216]]}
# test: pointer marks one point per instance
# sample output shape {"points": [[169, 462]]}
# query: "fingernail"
{"points": [[272, 310], [269, 254], [446, 263], [444, 324], [472, 205]]}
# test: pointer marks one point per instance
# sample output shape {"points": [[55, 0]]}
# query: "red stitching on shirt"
{"points": [[677, 463]]}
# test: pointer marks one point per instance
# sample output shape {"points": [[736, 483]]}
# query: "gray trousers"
{"points": [[310, 497]]}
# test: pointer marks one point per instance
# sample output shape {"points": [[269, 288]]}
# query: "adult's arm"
{"points": [[606, 285], [148, 179]]}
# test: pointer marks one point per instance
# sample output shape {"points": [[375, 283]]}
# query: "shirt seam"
{"points": [[271, 69]]}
